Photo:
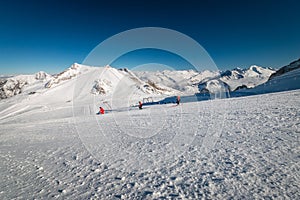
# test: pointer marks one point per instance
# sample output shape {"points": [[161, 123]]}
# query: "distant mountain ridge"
{"points": [[246, 78], [106, 80], [14, 85], [190, 81], [284, 79]]}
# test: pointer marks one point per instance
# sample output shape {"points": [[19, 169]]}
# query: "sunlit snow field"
{"points": [[240, 148]]}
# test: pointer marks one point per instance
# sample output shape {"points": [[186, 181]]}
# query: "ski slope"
{"points": [[238, 148]]}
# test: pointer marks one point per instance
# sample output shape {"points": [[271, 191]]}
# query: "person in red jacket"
{"points": [[101, 111], [140, 105]]}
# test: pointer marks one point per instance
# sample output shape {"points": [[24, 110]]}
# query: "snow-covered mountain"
{"points": [[246, 78], [103, 82], [286, 78], [108, 81], [191, 82], [67, 74], [221, 149], [15, 85], [213, 86], [185, 81]]}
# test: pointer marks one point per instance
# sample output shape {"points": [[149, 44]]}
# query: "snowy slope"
{"points": [[235, 148], [242, 148], [92, 85], [292, 66]]}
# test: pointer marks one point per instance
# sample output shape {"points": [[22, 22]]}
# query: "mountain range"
{"points": [[108, 81]]}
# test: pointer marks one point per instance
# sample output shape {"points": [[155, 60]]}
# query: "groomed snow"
{"points": [[238, 148]]}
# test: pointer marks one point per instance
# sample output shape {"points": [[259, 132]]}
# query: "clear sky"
{"points": [[50, 35]]}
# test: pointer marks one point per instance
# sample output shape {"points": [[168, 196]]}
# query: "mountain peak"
{"points": [[69, 73], [41, 75]]}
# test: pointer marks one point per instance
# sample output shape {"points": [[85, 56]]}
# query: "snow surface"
{"points": [[53, 145], [238, 148]]}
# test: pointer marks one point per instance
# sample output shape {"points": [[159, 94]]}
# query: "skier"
{"points": [[101, 111], [140, 105], [178, 100]]}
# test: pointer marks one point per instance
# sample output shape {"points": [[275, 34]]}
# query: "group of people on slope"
{"points": [[102, 111]]}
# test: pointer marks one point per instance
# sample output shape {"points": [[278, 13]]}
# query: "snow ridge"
{"points": [[68, 74], [292, 66], [112, 79]]}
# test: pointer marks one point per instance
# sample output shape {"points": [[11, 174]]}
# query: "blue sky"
{"points": [[50, 35]]}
